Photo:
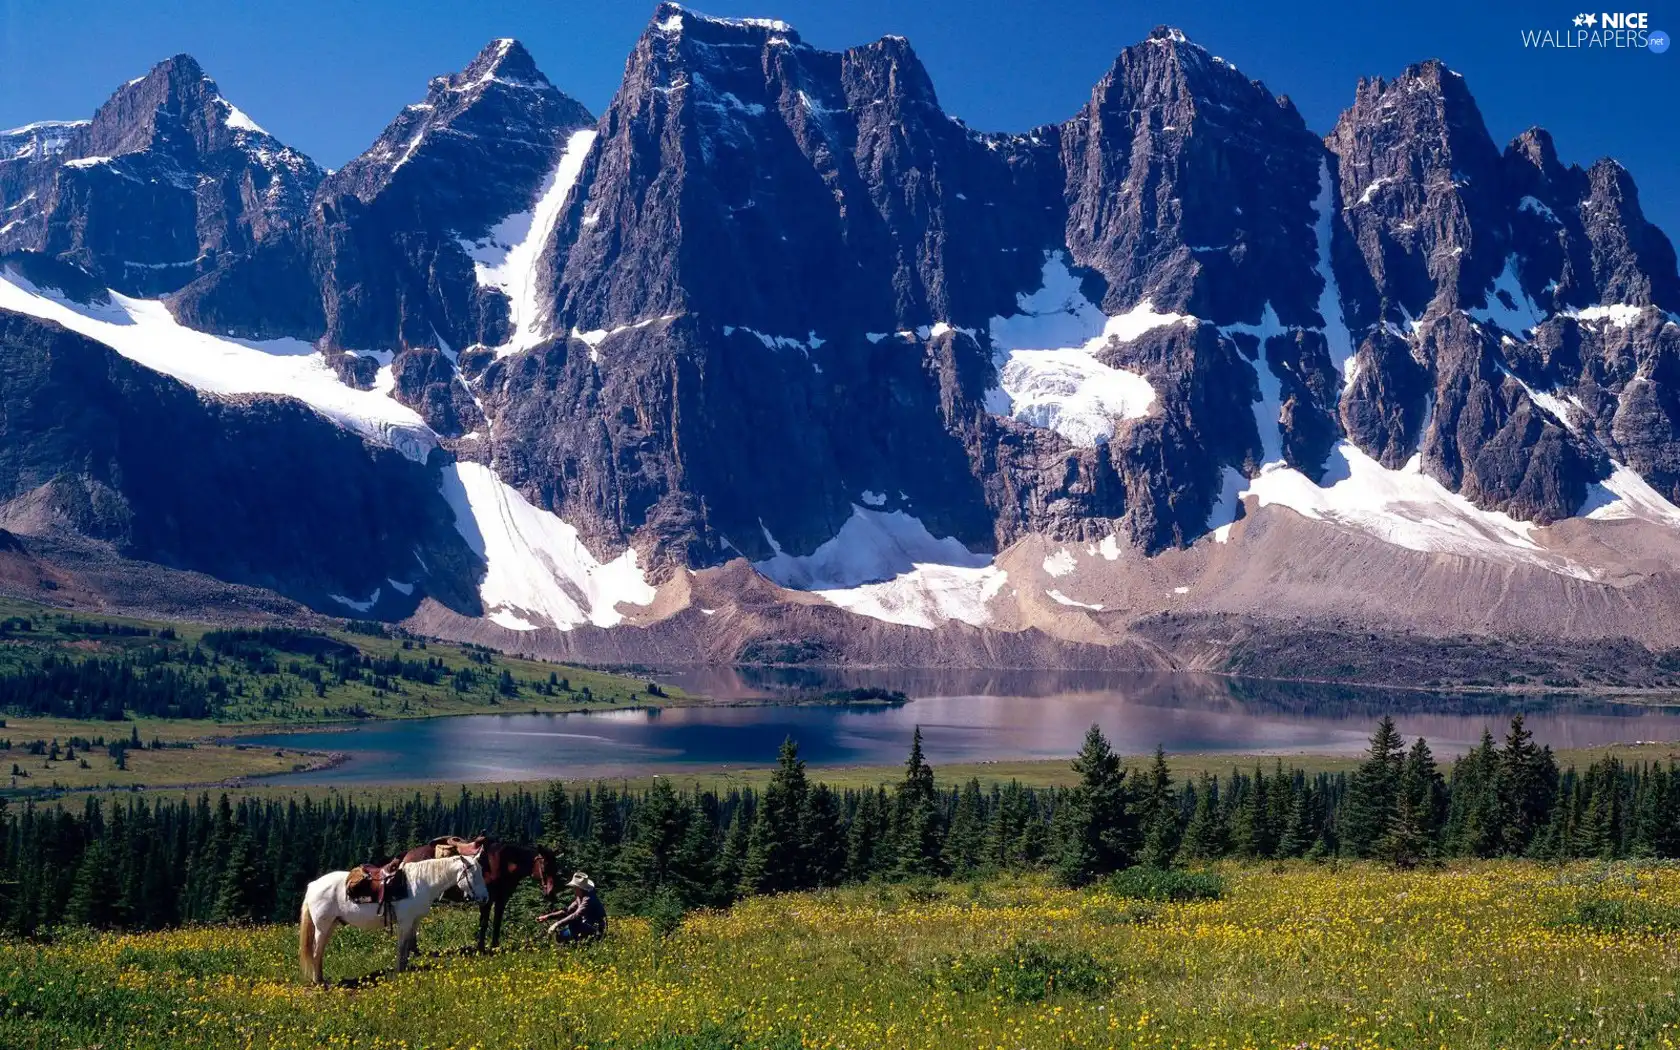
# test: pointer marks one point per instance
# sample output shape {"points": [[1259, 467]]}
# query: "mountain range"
{"points": [[775, 360]]}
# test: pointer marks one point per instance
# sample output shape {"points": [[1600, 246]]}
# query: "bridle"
{"points": [[541, 870], [464, 880]]}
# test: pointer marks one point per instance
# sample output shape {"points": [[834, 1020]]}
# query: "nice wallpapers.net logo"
{"points": [[1604, 30]]}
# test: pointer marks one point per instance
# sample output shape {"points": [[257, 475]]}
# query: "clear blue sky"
{"points": [[327, 76]]}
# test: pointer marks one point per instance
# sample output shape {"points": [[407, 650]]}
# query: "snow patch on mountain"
{"points": [[1406, 508], [1268, 410], [1049, 374], [359, 606], [1061, 599], [1061, 563], [1625, 494], [1619, 314], [514, 270], [236, 119], [886, 565], [1507, 305], [43, 138], [537, 570], [144, 331], [1336, 334]]}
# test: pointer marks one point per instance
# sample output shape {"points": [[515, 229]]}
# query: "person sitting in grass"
{"points": [[584, 918]]}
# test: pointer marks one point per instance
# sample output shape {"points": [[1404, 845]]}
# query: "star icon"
{"points": [[1592, 20], [1580, 20]]}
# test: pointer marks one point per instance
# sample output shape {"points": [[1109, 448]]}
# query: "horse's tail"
{"points": [[306, 944]]}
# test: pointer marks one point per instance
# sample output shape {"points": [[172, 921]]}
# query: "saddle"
{"points": [[455, 846], [373, 884]]}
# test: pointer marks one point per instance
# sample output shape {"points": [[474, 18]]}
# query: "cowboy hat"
{"points": [[580, 881]]}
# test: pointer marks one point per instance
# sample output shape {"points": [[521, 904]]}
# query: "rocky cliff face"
{"points": [[776, 303], [262, 491], [169, 180]]}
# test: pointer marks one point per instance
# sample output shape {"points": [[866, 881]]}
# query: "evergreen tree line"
{"points": [[134, 863]]}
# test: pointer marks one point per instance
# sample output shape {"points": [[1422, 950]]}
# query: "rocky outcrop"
{"points": [[1521, 292]]}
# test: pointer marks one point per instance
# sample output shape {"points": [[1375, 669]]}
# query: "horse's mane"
{"points": [[428, 870], [435, 864]]}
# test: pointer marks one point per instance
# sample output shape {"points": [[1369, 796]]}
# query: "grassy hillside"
{"points": [[1484, 955], [107, 681]]}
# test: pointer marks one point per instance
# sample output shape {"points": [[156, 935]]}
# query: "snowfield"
{"points": [[538, 570], [1406, 508], [887, 566]]}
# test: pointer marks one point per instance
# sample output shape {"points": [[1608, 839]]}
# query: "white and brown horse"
{"points": [[326, 906]]}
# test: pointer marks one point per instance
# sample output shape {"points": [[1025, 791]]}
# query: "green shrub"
{"points": [[1167, 884], [665, 910], [1620, 915], [1027, 972]]}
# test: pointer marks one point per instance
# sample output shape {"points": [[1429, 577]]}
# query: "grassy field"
{"points": [[1486, 955]]}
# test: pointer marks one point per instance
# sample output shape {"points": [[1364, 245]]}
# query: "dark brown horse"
{"points": [[504, 866]]}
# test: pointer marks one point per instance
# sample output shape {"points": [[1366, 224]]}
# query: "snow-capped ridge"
{"points": [[144, 331]]}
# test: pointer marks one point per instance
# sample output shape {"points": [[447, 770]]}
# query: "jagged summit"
{"points": [[674, 18]]}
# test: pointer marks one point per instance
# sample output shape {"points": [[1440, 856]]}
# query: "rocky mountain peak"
{"points": [[504, 58], [404, 251], [1535, 148], [173, 108], [501, 106], [1421, 189], [1179, 169], [170, 147]]}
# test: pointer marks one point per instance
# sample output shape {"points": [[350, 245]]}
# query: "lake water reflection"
{"points": [[965, 717]]}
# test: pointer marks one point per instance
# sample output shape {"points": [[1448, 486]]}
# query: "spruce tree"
{"points": [[1300, 829], [966, 841], [1158, 814], [1473, 826], [1007, 836], [1251, 832], [917, 834], [1526, 780], [598, 853], [557, 819], [867, 837], [776, 860], [240, 895], [658, 826], [1206, 837], [1373, 792], [726, 879], [822, 834], [90, 902], [1097, 835]]}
